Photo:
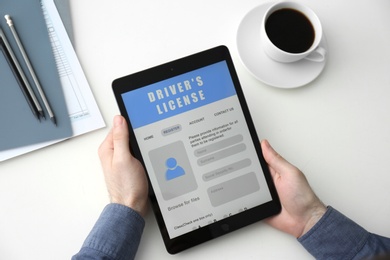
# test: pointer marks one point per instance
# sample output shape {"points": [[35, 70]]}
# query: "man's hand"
{"points": [[124, 175], [301, 208]]}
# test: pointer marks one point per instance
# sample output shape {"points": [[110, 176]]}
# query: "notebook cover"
{"points": [[18, 126]]}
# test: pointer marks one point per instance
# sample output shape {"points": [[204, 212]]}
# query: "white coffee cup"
{"points": [[314, 53]]}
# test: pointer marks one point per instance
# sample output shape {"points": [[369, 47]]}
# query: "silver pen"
{"points": [[31, 69]]}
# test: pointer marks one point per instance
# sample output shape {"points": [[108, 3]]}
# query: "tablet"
{"points": [[191, 129]]}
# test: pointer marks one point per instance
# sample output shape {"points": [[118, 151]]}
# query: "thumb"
{"points": [[120, 136], [274, 160]]}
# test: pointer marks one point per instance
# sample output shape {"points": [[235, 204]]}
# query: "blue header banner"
{"points": [[179, 94]]}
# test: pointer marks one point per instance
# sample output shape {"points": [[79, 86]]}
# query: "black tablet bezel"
{"points": [[172, 69]]}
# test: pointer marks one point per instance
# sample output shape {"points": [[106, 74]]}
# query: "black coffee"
{"points": [[290, 30]]}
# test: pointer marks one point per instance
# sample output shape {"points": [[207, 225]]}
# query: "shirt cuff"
{"points": [[116, 234], [334, 236]]}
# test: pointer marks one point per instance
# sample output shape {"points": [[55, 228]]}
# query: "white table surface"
{"points": [[336, 129]]}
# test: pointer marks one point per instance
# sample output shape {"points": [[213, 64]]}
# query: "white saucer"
{"points": [[282, 75]]}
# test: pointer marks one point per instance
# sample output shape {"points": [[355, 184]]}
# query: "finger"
{"points": [[106, 147], [120, 137], [274, 160]]}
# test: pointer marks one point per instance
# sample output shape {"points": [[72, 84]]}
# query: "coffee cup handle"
{"points": [[318, 55]]}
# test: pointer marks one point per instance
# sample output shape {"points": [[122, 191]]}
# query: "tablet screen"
{"points": [[193, 136]]}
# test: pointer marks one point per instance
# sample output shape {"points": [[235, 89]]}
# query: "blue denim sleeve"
{"points": [[116, 235], [337, 237]]}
